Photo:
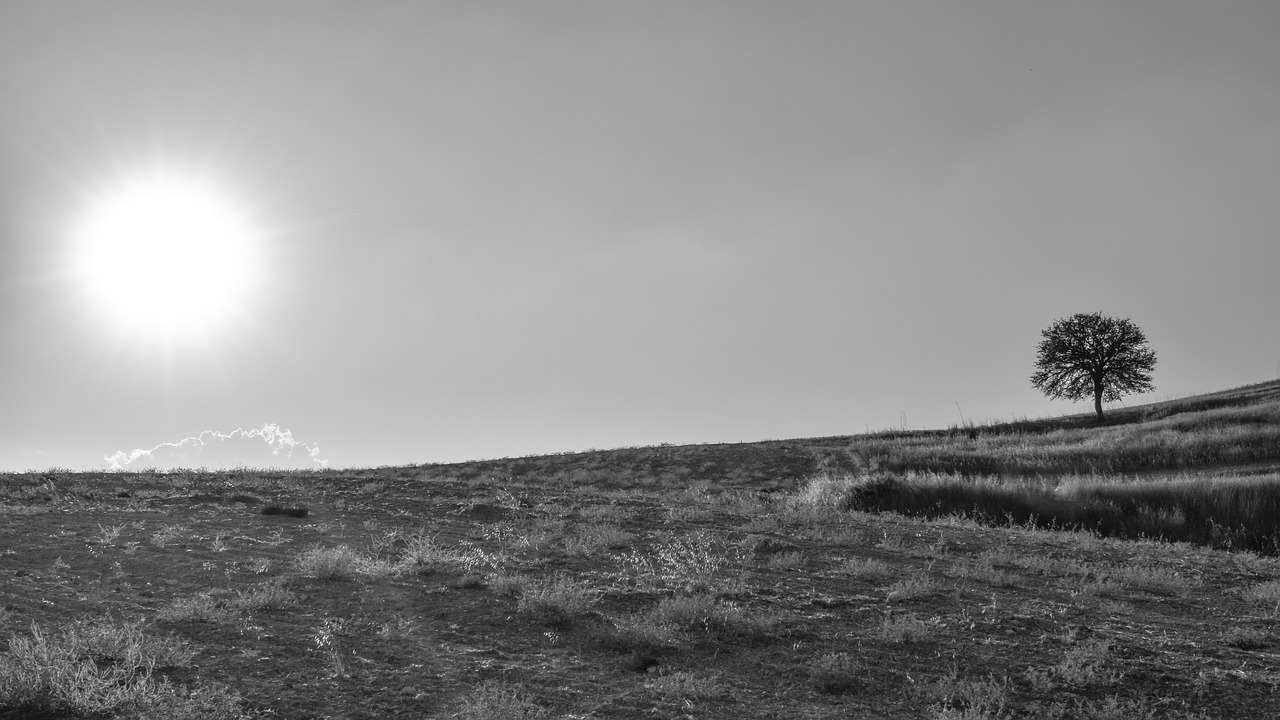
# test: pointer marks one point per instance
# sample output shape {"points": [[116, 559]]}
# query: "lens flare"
{"points": [[165, 257]]}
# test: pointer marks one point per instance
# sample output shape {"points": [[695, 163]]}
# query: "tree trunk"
{"points": [[1097, 399]]}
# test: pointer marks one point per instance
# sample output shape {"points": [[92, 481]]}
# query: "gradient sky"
{"points": [[498, 229]]}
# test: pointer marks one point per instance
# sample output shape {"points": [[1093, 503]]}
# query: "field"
{"points": [[1035, 569]]}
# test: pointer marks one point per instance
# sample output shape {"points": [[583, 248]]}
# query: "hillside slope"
{"points": [[1219, 430]]}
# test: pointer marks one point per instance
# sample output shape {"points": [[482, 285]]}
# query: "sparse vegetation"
{"points": [[998, 571], [90, 668]]}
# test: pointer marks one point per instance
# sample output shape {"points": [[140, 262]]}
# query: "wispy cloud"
{"points": [[269, 446]]}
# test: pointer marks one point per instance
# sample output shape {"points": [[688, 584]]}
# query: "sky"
{"points": [[442, 231]]}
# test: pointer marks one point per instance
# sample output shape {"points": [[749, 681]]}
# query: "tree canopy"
{"points": [[1092, 354]]}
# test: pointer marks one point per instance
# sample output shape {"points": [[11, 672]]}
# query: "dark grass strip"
{"points": [[1232, 514], [277, 509]]}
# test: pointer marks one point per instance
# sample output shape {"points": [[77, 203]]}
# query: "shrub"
{"points": [[687, 685], [1084, 664], [970, 699], [596, 539], [423, 555], [867, 568], [837, 674], [822, 495], [703, 613], [271, 595], [634, 633], [906, 628], [556, 599], [497, 701], [125, 644], [202, 607], [340, 563], [693, 564], [1267, 593], [1246, 638], [916, 586]]}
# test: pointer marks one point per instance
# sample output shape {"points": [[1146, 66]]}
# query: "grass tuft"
{"points": [[838, 674], [339, 564]]}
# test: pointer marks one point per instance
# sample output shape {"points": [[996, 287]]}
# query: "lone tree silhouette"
{"points": [[1093, 354]]}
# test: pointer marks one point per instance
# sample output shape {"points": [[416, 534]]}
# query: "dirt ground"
{"points": [[692, 600]]}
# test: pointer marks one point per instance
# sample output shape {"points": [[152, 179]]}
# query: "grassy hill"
{"points": [[1052, 568]]}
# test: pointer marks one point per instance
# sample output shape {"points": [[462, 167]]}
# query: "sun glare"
{"points": [[165, 257]]}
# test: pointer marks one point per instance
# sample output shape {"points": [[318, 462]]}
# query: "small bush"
{"points": [[338, 564], [838, 674], [202, 702], [508, 585], [470, 581], [265, 596], [687, 685], [906, 628], [869, 569], [168, 534], [634, 633], [1246, 638], [423, 555], [822, 495], [591, 540], [981, 570], [692, 565], [703, 613], [125, 644], [786, 561], [1084, 665], [916, 586], [202, 607], [1267, 593], [397, 628], [497, 701], [690, 613], [970, 699], [556, 599], [1155, 580]]}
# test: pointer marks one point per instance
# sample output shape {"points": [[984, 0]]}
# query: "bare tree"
{"points": [[1093, 354]]}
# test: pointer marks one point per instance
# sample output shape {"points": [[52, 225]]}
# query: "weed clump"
{"points": [[341, 563], [556, 600], [497, 701], [838, 674], [202, 607]]}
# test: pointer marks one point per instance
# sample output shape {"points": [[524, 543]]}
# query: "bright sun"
{"points": [[166, 257]]}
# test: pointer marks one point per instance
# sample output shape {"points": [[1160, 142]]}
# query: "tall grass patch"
{"points": [[1221, 436], [1226, 513]]}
